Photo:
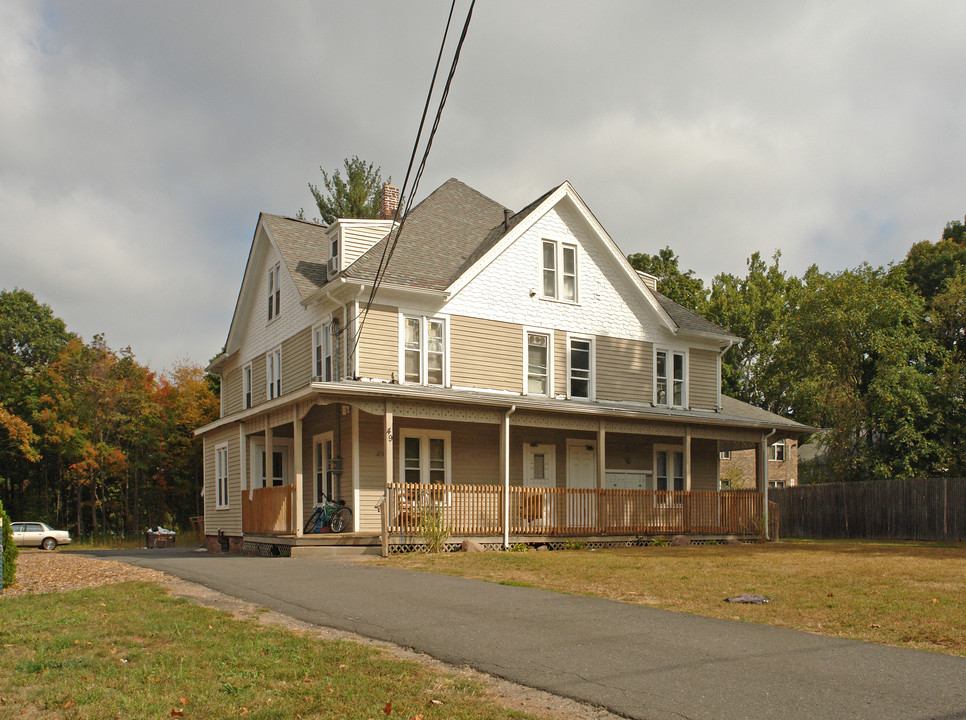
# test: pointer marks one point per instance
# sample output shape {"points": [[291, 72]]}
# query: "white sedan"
{"points": [[36, 534]]}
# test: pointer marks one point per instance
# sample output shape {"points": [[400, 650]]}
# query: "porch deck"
{"points": [[529, 515]]}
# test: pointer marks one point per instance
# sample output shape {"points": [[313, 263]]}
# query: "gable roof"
{"points": [[691, 321], [303, 247], [439, 237]]}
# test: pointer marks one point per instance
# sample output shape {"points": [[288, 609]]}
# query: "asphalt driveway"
{"points": [[635, 661]]}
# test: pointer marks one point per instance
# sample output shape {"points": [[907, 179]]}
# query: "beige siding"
{"points": [[229, 520], [259, 382], [704, 465], [486, 354], [297, 361], [379, 344], [231, 391], [358, 238], [624, 369], [560, 363], [703, 379]]}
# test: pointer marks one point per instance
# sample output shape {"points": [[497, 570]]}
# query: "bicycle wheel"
{"points": [[341, 520]]}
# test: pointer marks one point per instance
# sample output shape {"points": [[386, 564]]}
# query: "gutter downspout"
{"points": [[764, 480], [506, 476]]}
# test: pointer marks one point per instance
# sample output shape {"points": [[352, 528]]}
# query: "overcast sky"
{"points": [[139, 141]]}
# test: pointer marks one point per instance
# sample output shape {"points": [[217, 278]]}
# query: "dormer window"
{"points": [[559, 271], [274, 291]]}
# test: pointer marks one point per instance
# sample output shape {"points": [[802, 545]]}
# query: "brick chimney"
{"points": [[388, 201]]}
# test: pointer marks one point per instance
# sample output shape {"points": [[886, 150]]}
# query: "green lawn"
{"points": [[908, 594], [132, 651]]}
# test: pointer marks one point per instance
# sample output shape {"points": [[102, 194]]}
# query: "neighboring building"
{"points": [[514, 358], [738, 468]]}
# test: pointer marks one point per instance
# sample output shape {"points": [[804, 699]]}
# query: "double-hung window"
{"points": [[538, 364], [323, 355], [580, 353], [424, 350], [669, 378], [559, 262], [247, 386], [273, 373], [274, 290], [425, 457], [668, 469], [221, 477]]}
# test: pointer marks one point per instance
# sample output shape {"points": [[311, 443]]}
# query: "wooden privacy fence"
{"points": [[477, 510], [915, 509], [269, 512]]}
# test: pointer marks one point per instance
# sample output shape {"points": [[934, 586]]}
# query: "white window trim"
{"points": [[424, 437], [527, 331], [669, 449], [671, 352], [221, 480], [275, 291], [424, 321], [559, 244], [592, 385], [773, 451], [273, 373], [324, 331], [247, 375]]}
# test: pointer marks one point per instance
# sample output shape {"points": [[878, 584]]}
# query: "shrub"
{"points": [[519, 547], [10, 551], [433, 530], [575, 545]]}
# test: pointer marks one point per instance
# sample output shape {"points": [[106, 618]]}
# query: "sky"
{"points": [[139, 141]]}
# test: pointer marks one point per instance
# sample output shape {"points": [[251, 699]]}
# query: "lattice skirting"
{"points": [[562, 544], [262, 549]]}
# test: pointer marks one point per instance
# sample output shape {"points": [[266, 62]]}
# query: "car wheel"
{"points": [[49, 544]]}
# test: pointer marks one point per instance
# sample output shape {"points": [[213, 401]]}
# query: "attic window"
{"points": [[274, 291], [559, 262]]}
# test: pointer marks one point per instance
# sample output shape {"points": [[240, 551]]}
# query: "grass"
{"points": [[132, 651], [909, 595], [112, 541]]}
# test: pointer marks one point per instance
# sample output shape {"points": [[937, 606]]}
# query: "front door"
{"points": [[539, 471], [582, 475]]}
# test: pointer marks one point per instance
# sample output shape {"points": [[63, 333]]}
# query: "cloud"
{"points": [[138, 142]]}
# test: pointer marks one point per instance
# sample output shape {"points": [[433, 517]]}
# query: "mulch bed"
{"points": [[39, 571]]}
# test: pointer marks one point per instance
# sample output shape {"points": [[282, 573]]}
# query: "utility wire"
{"points": [[390, 247]]}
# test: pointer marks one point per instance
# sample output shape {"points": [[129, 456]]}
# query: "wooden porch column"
{"points": [[355, 469], [687, 457], [269, 455], [387, 444], [297, 442], [761, 452], [601, 475], [505, 472], [243, 480]]}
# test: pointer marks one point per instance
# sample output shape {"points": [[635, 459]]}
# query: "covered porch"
{"points": [[497, 475]]}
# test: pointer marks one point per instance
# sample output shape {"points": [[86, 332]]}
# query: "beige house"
{"points": [[512, 376]]}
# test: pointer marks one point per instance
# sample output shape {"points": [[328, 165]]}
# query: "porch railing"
{"points": [[269, 512], [477, 510]]}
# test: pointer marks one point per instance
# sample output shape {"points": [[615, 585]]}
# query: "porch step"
{"points": [[298, 551]]}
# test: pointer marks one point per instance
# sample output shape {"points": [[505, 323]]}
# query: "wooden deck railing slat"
{"points": [[269, 512], [477, 510]]}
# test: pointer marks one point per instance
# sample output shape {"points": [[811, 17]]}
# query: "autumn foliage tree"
{"points": [[95, 440]]}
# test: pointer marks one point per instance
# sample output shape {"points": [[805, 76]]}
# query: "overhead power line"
{"points": [[393, 240]]}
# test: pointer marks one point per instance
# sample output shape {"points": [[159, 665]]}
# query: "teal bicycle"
{"points": [[328, 513]]}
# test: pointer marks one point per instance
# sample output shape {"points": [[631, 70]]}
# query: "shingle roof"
{"points": [[687, 320], [731, 407], [303, 246], [440, 237]]}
